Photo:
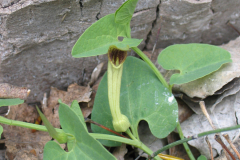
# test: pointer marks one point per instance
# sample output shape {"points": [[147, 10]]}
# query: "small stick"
{"points": [[210, 147], [231, 144], [103, 127], [64, 16], [158, 34], [2, 141], [230, 24], [10, 91], [204, 110], [219, 140]]}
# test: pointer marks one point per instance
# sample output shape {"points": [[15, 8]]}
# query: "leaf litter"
{"points": [[21, 143]]}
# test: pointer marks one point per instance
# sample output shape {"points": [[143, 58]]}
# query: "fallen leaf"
{"points": [[74, 92], [149, 139], [212, 101], [222, 116], [184, 112], [95, 74], [119, 152]]}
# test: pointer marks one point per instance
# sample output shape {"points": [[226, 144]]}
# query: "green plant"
{"points": [[131, 91]]}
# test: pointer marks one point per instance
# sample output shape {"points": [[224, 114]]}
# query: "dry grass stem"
{"points": [[219, 140], [204, 110], [231, 144], [210, 147]]}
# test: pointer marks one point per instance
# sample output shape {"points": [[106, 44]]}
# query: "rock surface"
{"points": [[201, 21], [36, 36]]}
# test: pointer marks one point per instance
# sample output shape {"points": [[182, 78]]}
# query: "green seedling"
{"points": [[132, 90]]}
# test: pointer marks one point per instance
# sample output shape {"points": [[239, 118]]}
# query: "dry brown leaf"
{"points": [[149, 139], [212, 101], [119, 152], [10, 91], [87, 107], [74, 92], [95, 74], [184, 112], [21, 143]]}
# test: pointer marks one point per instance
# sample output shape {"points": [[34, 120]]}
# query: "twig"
{"points": [[2, 141], [10, 91], [103, 127], [219, 140], [158, 34], [231, 144], [210, 147], [204, 110], [230, 24]]}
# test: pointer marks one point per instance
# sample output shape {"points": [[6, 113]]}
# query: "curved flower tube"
{"points": [[116, 59]]}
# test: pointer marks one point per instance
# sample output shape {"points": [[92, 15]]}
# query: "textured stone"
{"points": [[188, 21], [36, 38]]}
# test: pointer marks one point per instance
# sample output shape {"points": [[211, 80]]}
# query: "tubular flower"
{"points": [[116, 58]]}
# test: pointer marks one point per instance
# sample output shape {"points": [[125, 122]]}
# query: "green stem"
{"points": [[26, 125], [135, 132], [142, 147], [190, 155], [152, 66], [134, 142], [130, 134], [149, 152], [194, 137], [22, 124]]}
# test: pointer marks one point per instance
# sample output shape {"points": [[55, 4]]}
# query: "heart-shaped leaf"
{"points": [[142, 97], [104, 33], [192, 60], [76, 108], [124, 13], [84, 146], [10, 102]]}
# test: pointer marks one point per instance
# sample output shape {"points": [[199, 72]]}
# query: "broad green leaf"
{"points": [[10, 102], [104, 33], [1, 130], [142, 97], [85, 146], [124, 13], [192, 60], [76, 108], [202, 158]]}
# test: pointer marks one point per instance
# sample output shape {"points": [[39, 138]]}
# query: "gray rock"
{"points": [[36, 36], [195, 21]]}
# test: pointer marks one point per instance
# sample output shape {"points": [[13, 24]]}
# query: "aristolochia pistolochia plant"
{"points": [[116, 59]]}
